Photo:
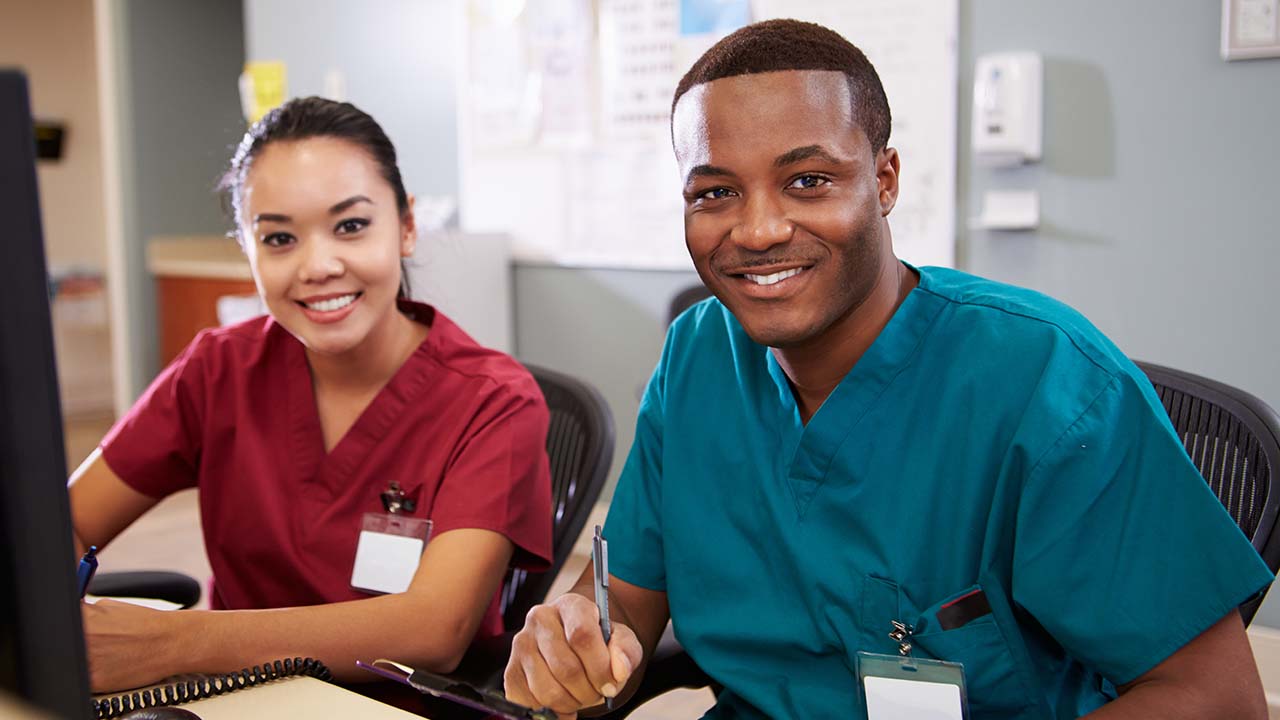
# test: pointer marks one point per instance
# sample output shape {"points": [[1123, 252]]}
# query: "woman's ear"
{"points": [[408, 231]]}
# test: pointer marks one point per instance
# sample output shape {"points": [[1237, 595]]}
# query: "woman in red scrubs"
{"points": [[294, 425]]}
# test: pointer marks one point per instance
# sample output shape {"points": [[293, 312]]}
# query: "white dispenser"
{"points": [[1008, 108]]}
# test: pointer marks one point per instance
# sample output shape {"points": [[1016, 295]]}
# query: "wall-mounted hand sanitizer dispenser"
{"points": [[1007, 108]]}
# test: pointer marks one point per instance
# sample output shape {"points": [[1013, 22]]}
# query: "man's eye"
{"points": [[352, 225], [277, 239], [719, 193], [808, 182]]}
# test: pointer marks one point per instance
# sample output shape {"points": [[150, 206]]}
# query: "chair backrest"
{"points": [[580, 448], [1234, 440], [685, 299]]}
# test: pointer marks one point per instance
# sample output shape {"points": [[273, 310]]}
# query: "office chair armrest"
{"points": [[173, 587]]}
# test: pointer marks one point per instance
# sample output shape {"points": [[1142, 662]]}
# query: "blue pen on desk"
{"points": [[88, 566], [600, 565]]}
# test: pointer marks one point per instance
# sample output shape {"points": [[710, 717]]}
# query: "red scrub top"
{"points": [[462, 429]]}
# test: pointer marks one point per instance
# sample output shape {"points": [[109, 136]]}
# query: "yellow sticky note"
{"points": [[262, 87]]}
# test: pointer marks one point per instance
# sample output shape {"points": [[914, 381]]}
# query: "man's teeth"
{"points": [[332, 303], [776, 277]]}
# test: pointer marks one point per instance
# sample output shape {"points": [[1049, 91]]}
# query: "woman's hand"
{"points": [[128, 645]]}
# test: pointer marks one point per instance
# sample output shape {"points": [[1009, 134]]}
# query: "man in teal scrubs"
{"points": [[838, 441]]}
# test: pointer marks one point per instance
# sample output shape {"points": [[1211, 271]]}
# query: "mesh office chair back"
{"points": [[1234, 440], [580, 448]]}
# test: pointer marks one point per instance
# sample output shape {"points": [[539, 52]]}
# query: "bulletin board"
{"points": [[564, 111]]}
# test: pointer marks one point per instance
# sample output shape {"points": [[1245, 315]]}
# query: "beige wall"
{"points": [[53, 42]]}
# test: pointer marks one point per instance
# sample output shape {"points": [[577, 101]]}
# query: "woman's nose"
{"points": [[320, 262]]}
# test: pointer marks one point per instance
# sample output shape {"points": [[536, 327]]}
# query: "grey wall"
{"points": [[397, 59], [604, 326], [177, 61], [1159, 182]]}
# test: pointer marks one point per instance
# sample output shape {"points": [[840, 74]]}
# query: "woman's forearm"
{"points": [[401, 627]]}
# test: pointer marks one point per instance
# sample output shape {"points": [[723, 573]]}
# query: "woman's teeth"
{"points": [[774, 278], [332, 303]]}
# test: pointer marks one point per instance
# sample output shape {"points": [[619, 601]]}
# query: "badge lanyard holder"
{"points": [[390, 545], [901, 687]]}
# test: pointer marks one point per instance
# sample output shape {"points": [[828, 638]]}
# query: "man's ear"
{"points": [[887, 169], [408, 230]]}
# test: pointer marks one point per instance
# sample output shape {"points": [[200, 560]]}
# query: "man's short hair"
{"points": [[775, 45]]}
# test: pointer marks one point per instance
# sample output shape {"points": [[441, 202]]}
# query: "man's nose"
{"points": [[764, 224]]}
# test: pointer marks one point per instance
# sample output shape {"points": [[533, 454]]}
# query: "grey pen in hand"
{"points": [[600, 565]]}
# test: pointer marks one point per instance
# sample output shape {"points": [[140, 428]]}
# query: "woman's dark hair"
{"points": [[314, 117]]}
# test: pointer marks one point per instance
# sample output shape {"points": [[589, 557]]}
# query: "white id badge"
{"points": [[907, 688], [388, 553]]}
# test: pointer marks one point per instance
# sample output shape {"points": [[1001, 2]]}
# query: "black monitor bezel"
{"points": [[42, 641]]}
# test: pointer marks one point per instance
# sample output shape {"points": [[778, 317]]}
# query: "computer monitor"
{"points": [[42, 658]]}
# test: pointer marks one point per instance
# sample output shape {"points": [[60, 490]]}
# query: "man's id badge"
{"points": [[388, 552], [901, 687]]}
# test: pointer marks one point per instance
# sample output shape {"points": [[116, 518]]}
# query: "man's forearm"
{"points": [[1170, 701]]}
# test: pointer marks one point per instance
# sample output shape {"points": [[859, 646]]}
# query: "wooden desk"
{"points": [[297, 698]]}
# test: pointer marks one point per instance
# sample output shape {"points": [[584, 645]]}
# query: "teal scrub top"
{"points": [[989, 438]]}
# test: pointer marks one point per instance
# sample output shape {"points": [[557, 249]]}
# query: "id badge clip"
{"points": [[390, 545], [902, 687]]}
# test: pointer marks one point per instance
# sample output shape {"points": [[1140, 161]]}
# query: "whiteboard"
{"points": [[564, 112]]}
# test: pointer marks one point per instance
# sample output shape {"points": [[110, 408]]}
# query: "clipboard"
{"points": [[489, 701]]}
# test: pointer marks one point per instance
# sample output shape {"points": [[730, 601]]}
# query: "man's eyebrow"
{"points": [[804, 153], [339, 207], [707, 171]]}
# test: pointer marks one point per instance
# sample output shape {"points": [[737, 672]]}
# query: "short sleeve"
{"points": [[634, 524], [1122, 551], [155, 447], [498, 478]]}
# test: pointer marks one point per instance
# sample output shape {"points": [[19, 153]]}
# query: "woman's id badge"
{"points": [[388, 552], [901, 687]]}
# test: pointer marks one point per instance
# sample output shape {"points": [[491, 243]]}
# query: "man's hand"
{"points": [[559, 660]]}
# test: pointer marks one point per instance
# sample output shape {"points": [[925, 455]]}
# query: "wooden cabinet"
{"points": [[187, 305], [191, 274]]}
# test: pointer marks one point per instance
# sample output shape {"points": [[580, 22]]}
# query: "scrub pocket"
{"points": [[995, 687]]}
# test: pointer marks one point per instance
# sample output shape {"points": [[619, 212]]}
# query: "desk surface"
{"points": [[300, 698]]}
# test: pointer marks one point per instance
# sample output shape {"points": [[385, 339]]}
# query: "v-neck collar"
{"points": [[812, 446], [330, 469]]}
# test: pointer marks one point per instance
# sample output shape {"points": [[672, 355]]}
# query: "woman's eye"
{"points": [[277, 239], [808, 182], [352, 225]]}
